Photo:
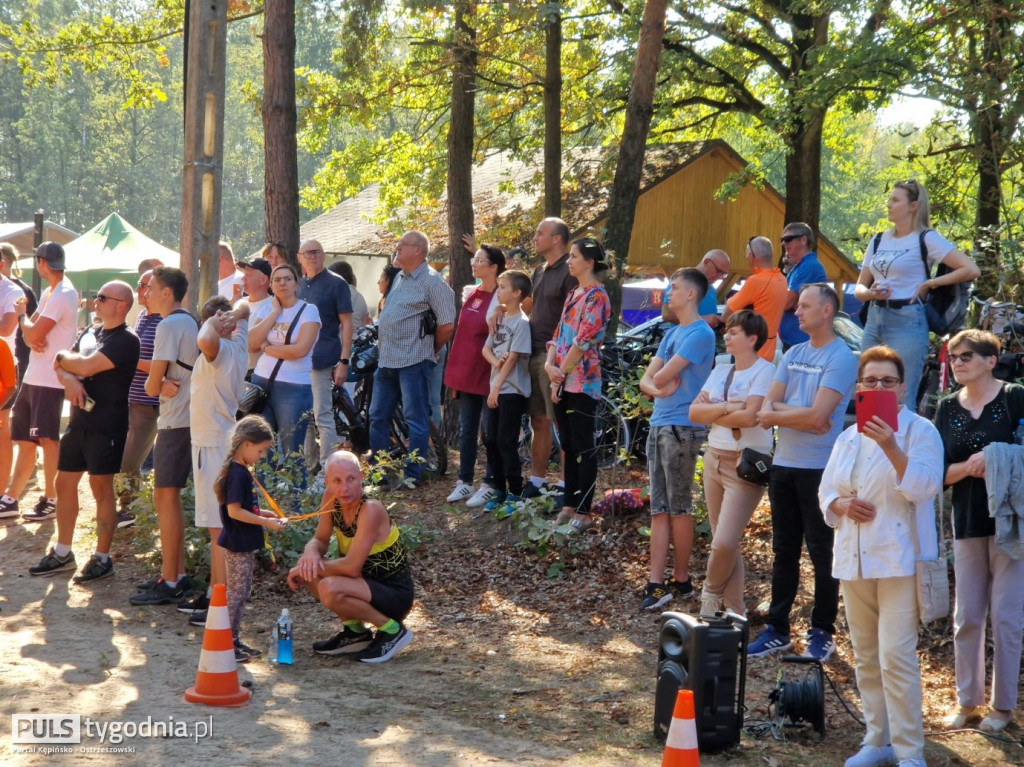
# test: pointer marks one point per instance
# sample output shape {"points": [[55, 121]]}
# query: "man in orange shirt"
{"points": [[764, 291]]}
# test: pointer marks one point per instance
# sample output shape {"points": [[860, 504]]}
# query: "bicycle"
{"points": [[352, 415]]}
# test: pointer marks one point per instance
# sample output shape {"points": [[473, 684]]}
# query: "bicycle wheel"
{"points": [[611, 434]]}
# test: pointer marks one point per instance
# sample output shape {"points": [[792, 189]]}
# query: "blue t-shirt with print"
{"points": [[807, 271], [694, 342], [805, 369], [708, 304]]}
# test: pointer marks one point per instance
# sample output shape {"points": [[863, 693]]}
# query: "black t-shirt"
{"points": [[21, 349], [962, 437], [110, 388], [238, 536]]}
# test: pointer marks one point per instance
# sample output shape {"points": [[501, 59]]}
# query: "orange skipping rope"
{"points": [[277, 509]]}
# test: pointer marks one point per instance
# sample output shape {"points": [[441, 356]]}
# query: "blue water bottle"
{"points": [[1018, 436], [284, 638]]}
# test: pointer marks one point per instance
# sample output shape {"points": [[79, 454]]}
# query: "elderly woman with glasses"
{"points": [[882, 506], [988, 581], [896, 279]]}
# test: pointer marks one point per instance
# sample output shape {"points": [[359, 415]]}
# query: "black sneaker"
{"points": [[681, 589], [252, 652], [95, 569], [197, 618], [241, 656], [385, 645], [344, 642], [193, 606], [46, 508], [8, 507], [161, 594], [530, 490], [125, 519], [184, 582], [656, 595], [51, 564]]}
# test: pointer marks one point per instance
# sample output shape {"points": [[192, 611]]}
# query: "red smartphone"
{"points": [[882, 403]]}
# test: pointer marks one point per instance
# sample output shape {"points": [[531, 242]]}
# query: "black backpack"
{"points": [[946, 306]]}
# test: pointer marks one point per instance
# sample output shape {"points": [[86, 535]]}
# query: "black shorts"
{"points": [[91, 450], [172, 457], [36, 414], [392, 597]]}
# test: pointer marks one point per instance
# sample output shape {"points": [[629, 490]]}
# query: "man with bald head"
{"points": [[96, 382], [229, 281], [763, 292], [370, 582], [330, 294], [715, 265]]}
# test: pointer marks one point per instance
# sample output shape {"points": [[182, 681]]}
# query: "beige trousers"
{"points": [[882, 615], [731, 503]]}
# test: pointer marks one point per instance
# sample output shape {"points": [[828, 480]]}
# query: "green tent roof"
{"points": [[111, 250]]}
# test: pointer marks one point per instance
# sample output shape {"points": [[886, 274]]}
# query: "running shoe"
{"points": [[95, 569], [51, 564], [384, 646]]}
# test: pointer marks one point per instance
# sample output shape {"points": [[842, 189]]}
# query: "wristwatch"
{"points": [[343, 361]]}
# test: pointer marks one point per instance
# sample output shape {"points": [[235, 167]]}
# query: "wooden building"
{"points": [[678, 216]]}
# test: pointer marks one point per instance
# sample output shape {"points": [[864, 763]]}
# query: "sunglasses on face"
{"points": [[963, 357], [101, 298], [791, 237]]}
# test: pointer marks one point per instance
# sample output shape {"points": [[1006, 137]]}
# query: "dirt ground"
{"points": [[508, 666]]}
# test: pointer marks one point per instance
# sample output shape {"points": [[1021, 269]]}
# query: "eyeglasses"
{"points": [[888, 382], [142, 286], [103, 299], [963, 357], [310, 253], [791, 237], [721, 272]]}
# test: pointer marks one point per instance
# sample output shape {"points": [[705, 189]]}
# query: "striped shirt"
{"points": [[145, 329], [401, 343]]}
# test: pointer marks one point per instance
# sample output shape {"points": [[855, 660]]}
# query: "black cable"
{"points": [[992, 735], [841, 700]]}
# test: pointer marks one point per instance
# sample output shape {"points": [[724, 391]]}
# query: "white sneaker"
{"points": [[461, 492], [482, 496], [872, 756]]}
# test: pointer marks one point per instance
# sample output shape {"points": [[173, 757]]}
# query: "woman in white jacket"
{"points": [[878, 500]]}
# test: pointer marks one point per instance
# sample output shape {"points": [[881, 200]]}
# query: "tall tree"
{"points": [[639, 110], [551, 20], [281, 164], [460, 146], [782, 63]]}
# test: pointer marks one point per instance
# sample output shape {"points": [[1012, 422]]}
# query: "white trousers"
{"points": [[882, 614]]}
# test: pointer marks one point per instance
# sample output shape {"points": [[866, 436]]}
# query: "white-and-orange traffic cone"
{"points": [[681, 744], [217, 678]]}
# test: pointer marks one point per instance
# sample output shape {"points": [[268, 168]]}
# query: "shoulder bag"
{"points": [[932, 576], [254, 398], [751, 465]]}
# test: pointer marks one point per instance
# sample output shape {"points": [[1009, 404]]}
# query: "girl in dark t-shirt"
{"points": [[242, 533]]}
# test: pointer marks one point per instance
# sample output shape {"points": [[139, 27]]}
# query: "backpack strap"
{"points": [[924, 254]]}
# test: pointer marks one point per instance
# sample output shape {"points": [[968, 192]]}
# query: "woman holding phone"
{"points": [[882, 506]]}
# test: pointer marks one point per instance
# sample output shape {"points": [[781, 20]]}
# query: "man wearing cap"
{"points": [[95, 380], [330, 294], [229, 281], [36, 417], [256, 286], [142, 408], [803, 268]]}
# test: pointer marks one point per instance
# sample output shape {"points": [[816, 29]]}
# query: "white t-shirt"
{"points": [[752, 382], [216, 388], [296, 371], [60, 304], [226, 287], [9, 295], [257, 311], [898, 261]]}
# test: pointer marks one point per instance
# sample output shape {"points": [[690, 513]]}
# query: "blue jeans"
{"points": [[905, 330], [288, 411], [411, 385], [470, 408], [436, 382]]}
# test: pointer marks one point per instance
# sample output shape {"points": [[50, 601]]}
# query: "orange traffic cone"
{"points": [[217, 679], [681, 744]]}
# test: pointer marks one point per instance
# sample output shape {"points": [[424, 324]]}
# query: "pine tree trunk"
{"points": [[626, 185], [553, 115], [460, 152], [281, 164]]}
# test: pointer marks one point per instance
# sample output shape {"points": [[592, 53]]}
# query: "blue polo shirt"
{"points": [[807, 271], [331, 296]]}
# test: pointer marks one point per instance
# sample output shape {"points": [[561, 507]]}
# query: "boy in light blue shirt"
{"points": [[674, 379]]}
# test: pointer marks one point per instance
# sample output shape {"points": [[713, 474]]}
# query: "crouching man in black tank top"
{"points": [[371, 582]]}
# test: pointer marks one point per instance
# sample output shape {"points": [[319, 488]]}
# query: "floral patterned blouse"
{"points": [[585, 317]]}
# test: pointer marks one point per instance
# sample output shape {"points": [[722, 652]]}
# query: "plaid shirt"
{"points": [[401, 344]]}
